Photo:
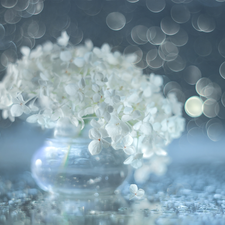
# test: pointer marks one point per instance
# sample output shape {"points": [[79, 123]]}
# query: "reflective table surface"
{"points": [[186, 194]]}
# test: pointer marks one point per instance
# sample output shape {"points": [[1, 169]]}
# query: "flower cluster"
{"points": [[126, 108]]}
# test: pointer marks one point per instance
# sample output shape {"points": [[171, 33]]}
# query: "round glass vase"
{"points": [[64, 165]]}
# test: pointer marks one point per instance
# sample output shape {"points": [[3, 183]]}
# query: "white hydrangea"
{"points": [[127, 108]]}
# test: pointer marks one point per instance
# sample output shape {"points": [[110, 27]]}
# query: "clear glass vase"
{"points": [[65, 166]]}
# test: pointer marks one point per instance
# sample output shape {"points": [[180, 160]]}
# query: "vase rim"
{"points": [[80, 140]]}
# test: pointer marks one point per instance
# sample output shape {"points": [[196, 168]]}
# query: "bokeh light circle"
{"points": [[115, 21], [222, 70], [211, 108], [8, 3], [155, 35], [180, 38], [156, 6], [203, 46], [193, 106], [215, 131], [169, 26], [192, 74], [180, 13]]}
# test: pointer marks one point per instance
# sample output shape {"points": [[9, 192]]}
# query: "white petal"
{"points": [[15, 100], [133, 188], [25, 50], [94, 134], [156, 126], [4, 114], [128, 110], [32, 119], [55, 115], [26, 109], [103, 133], [63, 39], [80, 96], [79, 62], [95, 87], [95, 147], [136, 164], [95, 124], [20, 97], [71, 89], [125, 128], [16, 110], [107, 116], [81, 83], [146, 128], [88, 111], [129, 160], [136, 114], [153, 110], [96, 97], [137, 125], [127, 140], [119, 109], [44, 77], [41, 121], [130, 150], [33, 108], [74, 121], [126, 118], [140, 193], [65, 56], [116, 99]]}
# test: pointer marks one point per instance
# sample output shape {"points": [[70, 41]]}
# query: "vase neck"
{"points": [[65, 129]]}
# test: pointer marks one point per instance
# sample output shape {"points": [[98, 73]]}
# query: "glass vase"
{"points": [[65, 166]]}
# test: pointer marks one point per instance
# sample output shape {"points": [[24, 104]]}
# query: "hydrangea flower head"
{"points": [[127, 108]]}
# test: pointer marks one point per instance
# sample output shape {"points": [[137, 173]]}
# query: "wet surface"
{"points": [[186, 194]]}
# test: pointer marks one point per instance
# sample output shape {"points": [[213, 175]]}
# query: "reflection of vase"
{"points": [[65, 166]]}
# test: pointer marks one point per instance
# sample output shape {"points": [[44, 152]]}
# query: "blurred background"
{"points": [[183, 40]]}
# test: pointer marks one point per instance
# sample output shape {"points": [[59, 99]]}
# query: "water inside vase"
{"points": [[65, 166]]}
